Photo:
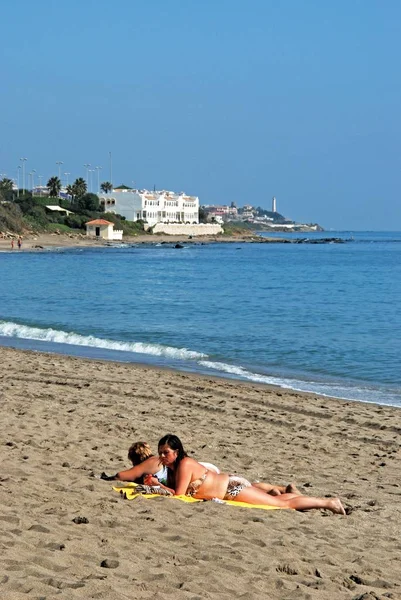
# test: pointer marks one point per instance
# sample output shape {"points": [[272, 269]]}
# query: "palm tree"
{"points": [[54, 186], [6, 184], [106, 187], [70, 190], [79, 187]]}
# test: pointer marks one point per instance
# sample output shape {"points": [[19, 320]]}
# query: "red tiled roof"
{"points": [[99, 222]]}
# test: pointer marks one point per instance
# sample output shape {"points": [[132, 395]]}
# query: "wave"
{"points": [[332, 389], [15, 330], [240, 372], [200, 362]]}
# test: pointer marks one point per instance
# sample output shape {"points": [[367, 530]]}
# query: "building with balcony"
{"points": [[152, 207]]}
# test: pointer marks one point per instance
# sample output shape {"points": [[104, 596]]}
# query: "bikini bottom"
{"points": [[235, 485]]}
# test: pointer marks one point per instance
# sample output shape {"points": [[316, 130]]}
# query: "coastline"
{"points": [[65, 420], [51, 240]]}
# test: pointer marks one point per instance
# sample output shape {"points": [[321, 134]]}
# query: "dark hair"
{"points": [[175, 444]]}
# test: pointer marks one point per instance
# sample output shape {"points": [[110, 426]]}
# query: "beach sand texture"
{"points": [[65, 420]]}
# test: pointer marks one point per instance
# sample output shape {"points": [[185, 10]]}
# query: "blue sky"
{"points": [[227, 100]]}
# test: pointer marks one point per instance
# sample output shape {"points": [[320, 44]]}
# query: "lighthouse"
{"points": [[274, 207]]}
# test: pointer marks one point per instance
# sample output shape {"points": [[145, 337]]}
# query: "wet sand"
{"points": [[65, 533]]}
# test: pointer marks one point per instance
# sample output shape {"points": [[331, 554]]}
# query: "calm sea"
{"points": [[318, 317]]}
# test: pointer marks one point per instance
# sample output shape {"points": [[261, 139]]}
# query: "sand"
{"points": [[43, 241], [65, 420]]}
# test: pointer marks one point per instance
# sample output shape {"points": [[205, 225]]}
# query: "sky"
{"points": [[228, 100]]}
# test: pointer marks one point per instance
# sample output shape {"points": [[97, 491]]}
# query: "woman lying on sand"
{"points": [[149, 470], [189, 477]]}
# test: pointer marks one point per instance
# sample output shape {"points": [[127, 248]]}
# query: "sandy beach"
{"points": [[66, 533], [45, 241]]}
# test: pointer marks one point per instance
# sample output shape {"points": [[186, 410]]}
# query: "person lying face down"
{"points": [[148, 469], [144, 463], [191, 478]]}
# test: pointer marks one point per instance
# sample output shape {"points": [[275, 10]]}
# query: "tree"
{"points": [[6, 184], [54, 185], [87, 203], [70, 190], [202, 215], [79, 188], [106, 187]]}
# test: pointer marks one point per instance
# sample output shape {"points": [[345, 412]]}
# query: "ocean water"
{"points": [[323, 318]]}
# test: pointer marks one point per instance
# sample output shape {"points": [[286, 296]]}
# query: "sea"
{"points": [[318, 317]]}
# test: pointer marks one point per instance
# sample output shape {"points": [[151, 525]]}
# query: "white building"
{"points": [[152, 207], [103, 229]]}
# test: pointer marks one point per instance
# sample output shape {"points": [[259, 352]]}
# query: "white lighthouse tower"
{"points": [[274, 204]]}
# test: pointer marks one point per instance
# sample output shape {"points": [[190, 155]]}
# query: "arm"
{"points": [[153, 481], [150, 465], [183, 477]]}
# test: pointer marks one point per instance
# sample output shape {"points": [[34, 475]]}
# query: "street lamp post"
{"points": [[87, 165], [40, 177], [59, 163], [23, 160], [66, 178], [111, 169], [18, 172], [90, 179], [32, 175], [98, 169]]}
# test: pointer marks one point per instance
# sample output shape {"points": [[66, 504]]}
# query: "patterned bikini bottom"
{"points": [[236, 484]]}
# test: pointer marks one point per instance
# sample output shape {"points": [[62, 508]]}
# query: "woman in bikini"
{"points": [[188, 477], [148, 469]]}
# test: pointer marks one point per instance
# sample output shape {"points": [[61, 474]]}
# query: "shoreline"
{"points": [[284, 384], [65, 420], [45, 241]]}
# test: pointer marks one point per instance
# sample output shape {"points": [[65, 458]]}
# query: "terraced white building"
{"points": [[152, 207]]}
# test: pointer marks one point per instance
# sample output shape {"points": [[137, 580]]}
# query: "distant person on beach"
{"points": [[19, 243], [148, 469], [12, 244], [188, 477]]}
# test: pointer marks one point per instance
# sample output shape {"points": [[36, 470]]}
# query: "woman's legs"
{"points": [[276, 490], [268, 488], [253, 495]]}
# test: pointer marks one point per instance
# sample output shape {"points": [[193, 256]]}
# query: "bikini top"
{"points": [[194, 486]]}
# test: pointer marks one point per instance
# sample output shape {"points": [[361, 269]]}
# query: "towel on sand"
{"points": [[130, 492]]}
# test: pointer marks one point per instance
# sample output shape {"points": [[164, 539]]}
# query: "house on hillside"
{"points": [[152, 207], [100, 228]]}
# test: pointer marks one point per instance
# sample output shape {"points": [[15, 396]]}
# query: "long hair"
{"points": [[175, 444], [138, 452]]}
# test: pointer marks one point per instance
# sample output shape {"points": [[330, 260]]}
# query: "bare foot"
{"points": [[292, 489], [336, 507]]}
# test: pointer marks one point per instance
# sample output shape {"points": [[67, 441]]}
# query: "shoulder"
{"points": [[187, 463]]}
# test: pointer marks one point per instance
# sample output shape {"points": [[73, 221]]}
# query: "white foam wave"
{"points": [[241, 372], [332, 390], [14, 330]]}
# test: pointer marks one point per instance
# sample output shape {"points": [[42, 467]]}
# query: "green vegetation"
{"points": [[22, 213], [106, 187], [236, 228]]}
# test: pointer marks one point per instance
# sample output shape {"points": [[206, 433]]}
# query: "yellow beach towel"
{"points": [[129, 492]]}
